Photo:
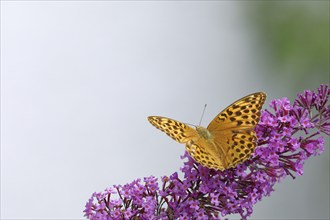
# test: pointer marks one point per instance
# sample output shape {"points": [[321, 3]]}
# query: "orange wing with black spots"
{"points": [[180, 132]]}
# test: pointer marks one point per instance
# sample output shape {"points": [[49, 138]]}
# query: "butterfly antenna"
{"points": [[202, 114]]}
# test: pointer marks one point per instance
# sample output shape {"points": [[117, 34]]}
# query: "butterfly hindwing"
{"points": [[199, 150], [238, 146]]}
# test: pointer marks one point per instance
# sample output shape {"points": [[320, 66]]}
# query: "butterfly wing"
{"points": [[180, 132], [233, 129]]}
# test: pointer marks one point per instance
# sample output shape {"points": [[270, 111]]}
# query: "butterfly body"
{"points": [[228, 140]]}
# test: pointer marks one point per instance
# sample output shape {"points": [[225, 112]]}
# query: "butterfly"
{"points": [[227, 141]]}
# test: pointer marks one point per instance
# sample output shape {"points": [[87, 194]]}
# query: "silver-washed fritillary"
{"points": [[228, 140]]}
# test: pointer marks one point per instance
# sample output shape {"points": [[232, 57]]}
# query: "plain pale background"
{"points": [[78, 80]]}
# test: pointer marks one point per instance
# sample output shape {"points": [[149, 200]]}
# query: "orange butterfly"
{"points": [[227, 141]]}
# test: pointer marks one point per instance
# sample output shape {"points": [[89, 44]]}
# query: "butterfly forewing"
{"points": [[180, 132], [233, 128], [244, 113]]}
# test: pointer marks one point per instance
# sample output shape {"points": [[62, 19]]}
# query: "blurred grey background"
{"points": [[79, 78]]}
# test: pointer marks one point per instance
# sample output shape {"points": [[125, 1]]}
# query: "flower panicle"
{"points": [[204, 193]]}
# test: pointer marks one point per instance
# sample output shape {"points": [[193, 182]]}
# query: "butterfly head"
{"points": [[203, 132]]}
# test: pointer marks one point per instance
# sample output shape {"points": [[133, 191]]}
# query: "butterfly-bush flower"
{"points": [[288, 134]]}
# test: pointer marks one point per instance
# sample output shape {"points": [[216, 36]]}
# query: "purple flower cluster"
{"points": [[287, 136]]}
